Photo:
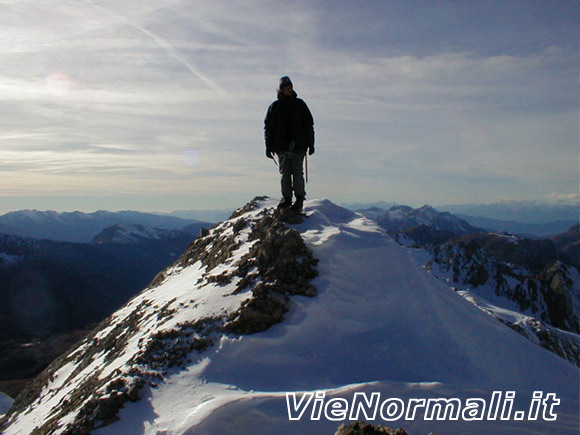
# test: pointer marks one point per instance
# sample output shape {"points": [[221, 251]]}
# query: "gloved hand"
{"points": [[269, 153], [311, 150]]}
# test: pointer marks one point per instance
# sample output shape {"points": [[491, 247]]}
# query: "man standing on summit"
{"points": [[289, 132]]}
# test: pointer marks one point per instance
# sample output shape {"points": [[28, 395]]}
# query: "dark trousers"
{"points": [[292, 174]]}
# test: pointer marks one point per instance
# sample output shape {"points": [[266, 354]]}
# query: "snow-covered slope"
{"points": [[563, 343], [550, 293], [534, 280], [378, 324]]}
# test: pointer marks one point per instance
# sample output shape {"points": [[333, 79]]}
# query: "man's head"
{"points": [[286, 85]]}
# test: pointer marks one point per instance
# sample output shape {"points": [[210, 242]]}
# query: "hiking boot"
{"points": [[285, 202], [297, 206]]}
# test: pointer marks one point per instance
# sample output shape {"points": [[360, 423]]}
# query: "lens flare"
{"points": [[191, 157], [58, 83]]}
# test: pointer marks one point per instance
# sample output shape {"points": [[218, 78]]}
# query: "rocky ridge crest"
{"points": [[253, 259]]}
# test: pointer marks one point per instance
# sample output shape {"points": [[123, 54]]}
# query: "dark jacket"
{"points": [[288, 120]]}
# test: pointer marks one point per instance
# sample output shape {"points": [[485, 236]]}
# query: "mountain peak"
{"points": [[427, 208], [238, 279], [218, 338], [424, 224]]}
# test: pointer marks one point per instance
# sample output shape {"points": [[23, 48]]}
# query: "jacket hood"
{"points": [[291, 97]]}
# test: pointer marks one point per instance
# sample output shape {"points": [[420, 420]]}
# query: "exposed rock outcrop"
{"points": [[364, 428], [253, 258]]}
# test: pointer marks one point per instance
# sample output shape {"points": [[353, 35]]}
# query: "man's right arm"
{"points": [[268, 131]]}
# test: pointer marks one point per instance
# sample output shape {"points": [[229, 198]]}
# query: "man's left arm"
{"points": [[309, 124]]}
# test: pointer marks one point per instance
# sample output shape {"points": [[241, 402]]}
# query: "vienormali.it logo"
{"points": [[315, 406]]}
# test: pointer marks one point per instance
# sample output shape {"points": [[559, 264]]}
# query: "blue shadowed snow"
{"points": [[379, 323]]}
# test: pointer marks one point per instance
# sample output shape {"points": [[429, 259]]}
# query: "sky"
{"points": [[159, 105]]}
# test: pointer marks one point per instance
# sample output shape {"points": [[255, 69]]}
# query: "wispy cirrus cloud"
{"points": [[412, 102]]}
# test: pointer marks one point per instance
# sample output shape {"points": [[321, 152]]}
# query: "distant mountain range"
{"points": [[81, 227], [384, 205], [531, 212], [523, 218], [426, 226], [423, 224], [525, 229], [202, 215], [528, 218], [537, 281], [51, 286], [52, 291]]}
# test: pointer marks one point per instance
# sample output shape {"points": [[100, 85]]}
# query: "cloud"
{"points": [[564, 198], [170, 96], [167, 46]]}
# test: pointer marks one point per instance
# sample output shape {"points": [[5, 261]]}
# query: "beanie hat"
{"points": [[285, 81]]}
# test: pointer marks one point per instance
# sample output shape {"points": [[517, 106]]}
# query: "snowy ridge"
{"points": [[543, 306], [510, 272], [184, 311], [378, 323]]}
